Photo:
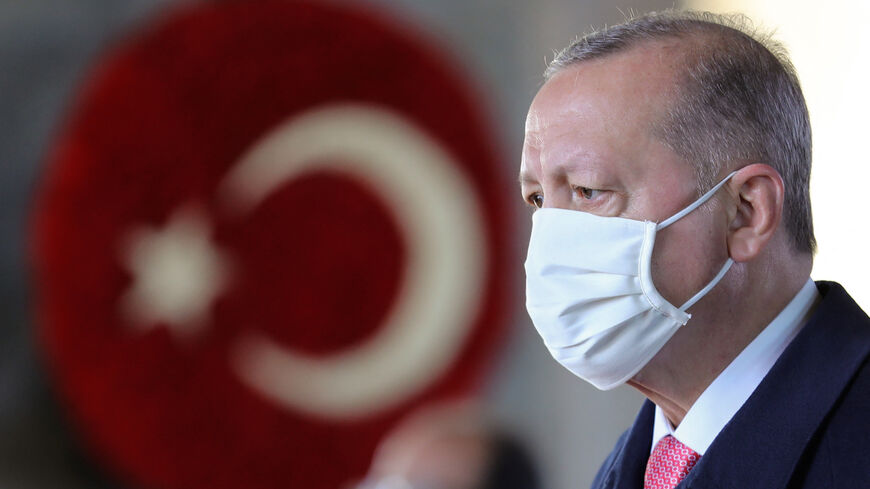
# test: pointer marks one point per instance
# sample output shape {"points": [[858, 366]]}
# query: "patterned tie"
{"points": [[669, 463]]}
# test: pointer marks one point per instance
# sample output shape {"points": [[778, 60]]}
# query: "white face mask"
{"points": [[590, 293]]}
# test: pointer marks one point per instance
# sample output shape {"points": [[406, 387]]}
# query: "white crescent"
{"points": [[437, 211]]}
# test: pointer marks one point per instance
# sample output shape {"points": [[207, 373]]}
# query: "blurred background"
{"points": [[67, 403]]}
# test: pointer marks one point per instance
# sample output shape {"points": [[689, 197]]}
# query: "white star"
{"points": [[177, 274]]}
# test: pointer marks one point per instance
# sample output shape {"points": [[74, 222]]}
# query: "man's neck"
{"points": [[731, 318]]}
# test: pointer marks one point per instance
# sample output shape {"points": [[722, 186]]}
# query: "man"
{"points": [[669, 158]]}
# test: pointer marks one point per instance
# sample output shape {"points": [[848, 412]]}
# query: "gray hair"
{"points": [[738, 99]]}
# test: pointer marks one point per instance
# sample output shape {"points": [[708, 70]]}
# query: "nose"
{"points": [[557, 198]]}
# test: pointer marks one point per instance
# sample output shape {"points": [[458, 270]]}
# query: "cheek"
{"points": [[687, 255]]}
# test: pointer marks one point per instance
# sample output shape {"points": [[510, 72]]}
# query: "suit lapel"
{"points": [[629, 464], [762, 444]]}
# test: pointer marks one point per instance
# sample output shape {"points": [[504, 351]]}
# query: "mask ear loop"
{"points": [[679, 215], [694, 205], [691, 302]]}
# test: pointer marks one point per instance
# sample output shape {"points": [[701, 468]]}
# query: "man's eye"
{"points": [[537, 200], [588, 193]]}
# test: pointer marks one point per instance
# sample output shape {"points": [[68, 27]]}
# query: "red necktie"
{"points": [[669, 463]]}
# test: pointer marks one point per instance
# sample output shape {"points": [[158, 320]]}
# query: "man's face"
{"points": [[589, 146]]}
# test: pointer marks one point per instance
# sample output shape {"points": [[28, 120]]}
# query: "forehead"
{"points": [[615, 90], [601, 111]]}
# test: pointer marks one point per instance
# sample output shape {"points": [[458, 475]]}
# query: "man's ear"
{"points": [[758, 194]]}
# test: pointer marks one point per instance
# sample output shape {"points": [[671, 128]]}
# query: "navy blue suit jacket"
{"points": [[807, 425]]}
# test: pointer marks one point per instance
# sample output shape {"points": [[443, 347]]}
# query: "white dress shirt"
{"points": [[724, 397]]}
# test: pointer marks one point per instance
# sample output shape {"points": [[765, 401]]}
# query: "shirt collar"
{"points": [[730, 390]]}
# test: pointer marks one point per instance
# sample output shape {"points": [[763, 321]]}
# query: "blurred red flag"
{"points": [[267, 230]]}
